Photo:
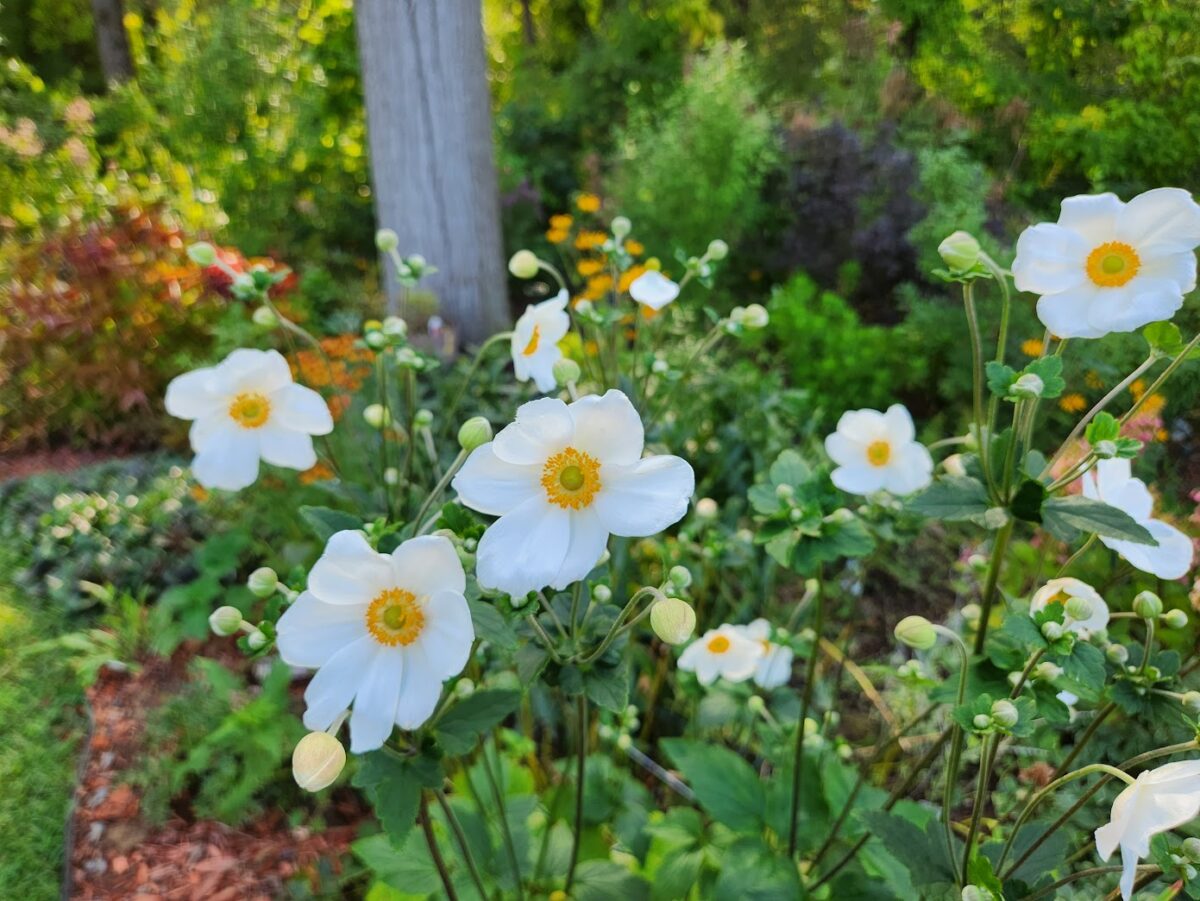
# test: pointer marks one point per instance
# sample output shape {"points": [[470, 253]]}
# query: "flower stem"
{"points": [[461, 837], [957, 738], [1161, 380], [1101, 715], [805, 703], [977, 385], [435, 852], [987, 758], [439, 487], [581, 712], [992, 584], [1050, 890], [498, 797], [466, 382]]}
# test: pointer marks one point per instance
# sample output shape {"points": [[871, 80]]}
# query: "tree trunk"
{"points": [[111, 40], [430, 132]]}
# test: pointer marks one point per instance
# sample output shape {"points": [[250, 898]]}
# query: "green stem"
{"points": [[1161, 380], [439, 487], [956, 744], [992, 584], [805, 703], [1074, 558], [581, 712], [434, 851], [977, 385], [1101, 715], [710, 340], [1016, 692], [474, 367], [1050, 890], [464, 846], [987, 758], [498, 796]]}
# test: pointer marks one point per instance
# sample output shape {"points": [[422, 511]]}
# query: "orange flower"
{"points": [[1092, 379], [1153, 404], [598, 286], [589, 267], [628, 277], [1072, 403], [1137, 389], [588, 203], [1032, 347], [319, 473], [634, 248], [557, 235], [1160, 435], [590, 240], [560, 222], [199, 493]]}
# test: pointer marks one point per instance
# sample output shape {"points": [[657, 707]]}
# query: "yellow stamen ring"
{"points": [[878, 453], [1113, 264], [571, 478], [718, 644], [395, 617], [534, 340], [250, 410]]}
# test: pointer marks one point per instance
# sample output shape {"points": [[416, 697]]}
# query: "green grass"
{"points": [[42, 729]]}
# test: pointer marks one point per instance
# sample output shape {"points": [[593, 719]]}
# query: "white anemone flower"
{"points": [[653, 289], [562, 478], [535, 340], [1108, 266], [244, 409], [383, 632], [726, 652], [775, 665], [878, 452], [1063, 591], [1113, 483], [1158, 801]]}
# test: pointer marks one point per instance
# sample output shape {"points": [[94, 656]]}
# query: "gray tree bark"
{"points": [[111, 40], [429, 129]]}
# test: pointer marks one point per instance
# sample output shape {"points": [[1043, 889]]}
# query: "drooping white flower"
{"points": [[562, 478], [1158, 801], [878, 451], [1065, 591], [383, 632], [1108, 266], [1113, 483], [244, 409], [775, 665], [726, 652], [653, 289], [535, 340]]}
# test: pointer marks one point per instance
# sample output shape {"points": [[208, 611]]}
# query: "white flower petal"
{"points": [[774, 669], [494, 486], [260, 371], [229, 459], [859, 478], [448, 635], [589, 538], [1093, 216], [419, 693], [1163, 220], [1049, 259], [192, 395], [843, 450], [608, 427], [1179, 268], [910, 469], [332, 688], [900, 424], [646, 497], [653, 289], [1171, 559], [375, 702], [1142, 301], [350, 571], [301, 409], [524, 549], [863, 426], [282, 447], [428, 565], [1066, 313], [540, 367], [206, 428], [542, 427], [311, 632]]}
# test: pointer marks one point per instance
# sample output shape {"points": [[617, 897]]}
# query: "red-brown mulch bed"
{"points": [[116, 854], [20, 466]]}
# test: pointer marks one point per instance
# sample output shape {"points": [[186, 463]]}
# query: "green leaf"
{"points": [[789, 468], [725, 785], [1049, 370], [531, 660], [764, 500], [459, 728], [1014, 642], [923, 852], [1164, 338], [980, 873], [1047, 857], [677, 874], [1084, 671], [1076, 513], [491, 626], [603, 880], [1027, 502], [1103, 427], [608, 686], [325, 521], [952, 498], [394, 787], [750, 871], [781, 547], [1000, 377]]}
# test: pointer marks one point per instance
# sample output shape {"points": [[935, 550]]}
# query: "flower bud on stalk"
{"points": [[225, 621], [524, 264], [1191, 702], [475, 432], [263, 582], [1005, 713], [1174, 619], [680, 577], [1147, 605], [717, 250], [386, 240], [423, 418], [256, 640], [566, 371], [960, 251], [673, 620], [917, 632], [621, 226], [264, 317], [376, 416], [317, 761], [601, 594], [202, 254], [395, 327]]}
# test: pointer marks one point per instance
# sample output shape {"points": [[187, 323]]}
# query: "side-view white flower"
{"points": [[775, 665], [535, 340], [878, 452], [244, 409], [653, 289], [726, 652], [1108, 266], [383, 632], [1085, 598], [562, 478], [1158, 801], [1112, 482]]}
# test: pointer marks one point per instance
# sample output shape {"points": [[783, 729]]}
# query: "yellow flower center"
{"points": [[718, 644], [534, 340], [250, 410], [1060, 597], [1112, 264], [395, 617], [571, 478], [878, 453]]}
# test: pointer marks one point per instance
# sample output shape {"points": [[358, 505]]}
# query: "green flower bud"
{"points": [[1117, 653], [1005, 713], [475, 432], [524, 264], [982, 721], [995, 518], [1174, 619], [376, 340], [621, 226], [756, 704], [264, 317], [263, 582], [706, 508], [386, 240], [202, 254], [975, 893], [1191, 702], [376, 416], [1105, 450], [917, 632], [1147, 605], [225, 621], [1052, 631], [680, 577], [624, 741], [1028, 386], [717, 249], [1047, 671], [601, 594], [783, 492], [1078, 608], [395, 327], [423, 418], [1191, 847], [317, 761], [256, 640], [673, 620], [960, 251], [566, 371], [391, 475], [972, 612]]}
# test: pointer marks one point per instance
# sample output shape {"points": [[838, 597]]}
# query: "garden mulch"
{"points": [[114, 853]]}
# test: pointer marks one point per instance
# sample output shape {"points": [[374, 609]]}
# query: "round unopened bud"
{"points": [[1105, 450], [706, 508], [523, 264], [423, 418], [916, 632], [680, 576], [960, 251], [464, 687], [391, 475], [1191, 702], [624, 741], [673, 620], [756, 704], [1047, 671], [972, 612], [1052, 631], [263, 582], [621, 226], [474, 433], [1079, 608], [202, 254], [395, 327], [954, 465], [256, 640], [375, 340], [376, 416], [717, 249], [1191, 847], [1174, 619], [982, 721], [225, 621], [783, 492], [566, 371], [317, 761], [1117, 653], [264, 317], [1005, 713], [601, 594], [1147, 605], [386, 240], [755, 316], [416, 263], [975, 893], [1028, 385]]}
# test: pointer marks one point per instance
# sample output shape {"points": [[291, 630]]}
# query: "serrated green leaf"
{"points": [[491, 626], [608, 686], [1164, 338], [1103, 427], [789, 468], [459, 727], [725, 785], [1000, 377], [1076, 513], [325, 521], [952, 498]]}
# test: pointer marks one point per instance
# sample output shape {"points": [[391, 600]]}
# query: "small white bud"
{"points": [[755, 316], [916, 632], [524, 264], [1117, 653], [256, 640], [391, 475], [960, 251], [621, 226], [717, 249], [1028, 385], [376, 416], [475, 432], [375, 339], [264, 317], [995, 518], [566, 371], [680, 577], [263, 582], [624, 741], [706, 508], [225, 621], [202, 254], [423, 418], [601, 594], [1047, 671], [1191, 701], [1078, 608], [395, 327], [972, 612], [1147, 605], [982, 721], [386, 240], [1052, 631], [1105, 450], [1174, 619], [317, 761]]}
